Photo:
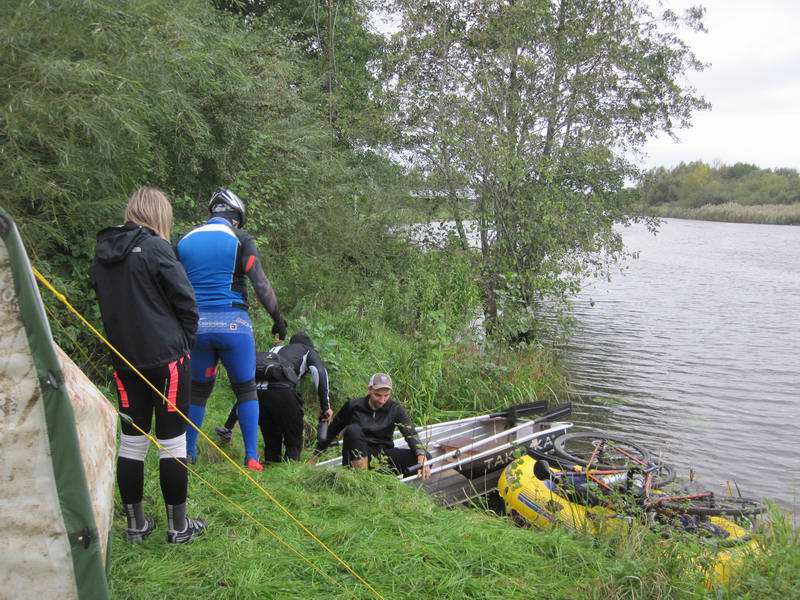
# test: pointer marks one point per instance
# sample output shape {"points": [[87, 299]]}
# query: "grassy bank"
{"points": [[394, 536], [407, 315], [407, 547], [768, 214]]}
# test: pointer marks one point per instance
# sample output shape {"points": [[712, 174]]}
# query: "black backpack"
{"points": [[271, 367]]}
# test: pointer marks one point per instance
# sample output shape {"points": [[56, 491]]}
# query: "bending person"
{"points": [[281, 408], [368, 426], [218, 256], [149, 314]]}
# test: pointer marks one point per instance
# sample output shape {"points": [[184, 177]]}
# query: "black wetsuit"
{"points": [[369, 433], [281, 408]]}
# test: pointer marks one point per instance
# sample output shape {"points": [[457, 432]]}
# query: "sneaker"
{"points": [[224, 434], [254, 465], [137, 536], [194, 527], [192, 460]]}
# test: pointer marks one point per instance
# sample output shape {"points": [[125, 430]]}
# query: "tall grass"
{"points": [[410, 323], [437, 375], [407, 547], [774, 214], [410, 316]]}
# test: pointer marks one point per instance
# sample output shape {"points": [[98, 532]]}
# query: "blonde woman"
{"points": [[150, 316]]}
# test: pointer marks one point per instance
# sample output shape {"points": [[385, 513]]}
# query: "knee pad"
{"points": [[245, 391], [173, 447], [133, 447], [201, 391]]}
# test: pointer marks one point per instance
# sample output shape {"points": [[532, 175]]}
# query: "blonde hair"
{"points": [[150, 207]]}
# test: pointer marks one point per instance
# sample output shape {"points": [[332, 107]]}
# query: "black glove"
{"points": [[279, 328]]}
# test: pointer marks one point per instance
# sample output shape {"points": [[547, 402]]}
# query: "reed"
{"points": [[770, 214]]}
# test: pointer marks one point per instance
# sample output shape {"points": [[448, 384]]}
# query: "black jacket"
{"points": [[378, 425], [146, 300], [303, 358]]}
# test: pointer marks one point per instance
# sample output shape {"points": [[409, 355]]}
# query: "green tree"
{"points": [[737, 171], [100, 97], [342, 50], [543, 103], [658, 186], [696, 184]]}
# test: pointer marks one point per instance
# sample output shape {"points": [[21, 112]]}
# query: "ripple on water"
{"points": [[693, 352]]}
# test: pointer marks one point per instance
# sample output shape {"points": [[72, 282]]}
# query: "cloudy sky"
{"points": [[753, 84]]}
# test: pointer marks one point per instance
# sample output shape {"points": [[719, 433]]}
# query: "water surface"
{"points": [[695, 352]]}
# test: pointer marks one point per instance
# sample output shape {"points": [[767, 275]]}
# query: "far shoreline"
{"points": [[730, 212]]}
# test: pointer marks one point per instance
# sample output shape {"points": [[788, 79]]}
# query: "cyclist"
{"points": [[217, 257], [281, 408]]}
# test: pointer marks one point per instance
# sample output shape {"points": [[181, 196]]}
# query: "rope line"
{"points": [[63, 299], [231, 501]]}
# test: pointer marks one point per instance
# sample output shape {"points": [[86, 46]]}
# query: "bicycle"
{"points": [[618, 466]]}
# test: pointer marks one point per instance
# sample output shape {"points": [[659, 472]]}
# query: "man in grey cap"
{"points": [[368, 423]]}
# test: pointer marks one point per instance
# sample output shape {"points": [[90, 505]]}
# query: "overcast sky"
{"points": [[753, 84]]}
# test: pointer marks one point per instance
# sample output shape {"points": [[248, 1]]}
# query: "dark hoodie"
{"points": [[301, 355], [146, 300]]}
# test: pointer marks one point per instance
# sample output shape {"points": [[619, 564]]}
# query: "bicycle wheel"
{"points": [[612, 452], [664, 474], [714, 505]]}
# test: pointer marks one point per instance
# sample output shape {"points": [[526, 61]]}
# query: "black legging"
{"points": [[138, 401], [280, 418], [355, 445]]}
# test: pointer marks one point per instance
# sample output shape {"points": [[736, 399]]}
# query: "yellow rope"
{"points": [[235, 504], [63, 299], [195, 473]]}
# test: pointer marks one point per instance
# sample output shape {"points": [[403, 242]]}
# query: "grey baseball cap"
{"points": [[380, 381]]}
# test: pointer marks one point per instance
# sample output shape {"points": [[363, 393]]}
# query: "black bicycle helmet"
{"points": [[225, 201]]}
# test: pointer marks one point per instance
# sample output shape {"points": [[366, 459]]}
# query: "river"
{"points": [[694, 351]]}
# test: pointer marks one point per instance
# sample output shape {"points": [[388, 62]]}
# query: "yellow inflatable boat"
{"points": [[543, 504]]}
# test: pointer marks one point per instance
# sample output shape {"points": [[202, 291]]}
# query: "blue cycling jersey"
{"points": [[216, 257]]}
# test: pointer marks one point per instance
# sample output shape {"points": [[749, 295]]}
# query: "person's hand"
{"points": [[425, 470], [313, 459], [279, 328], [327, 416]]}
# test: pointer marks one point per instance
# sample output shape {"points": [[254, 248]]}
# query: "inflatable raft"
{"points": [[543, 503]]}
